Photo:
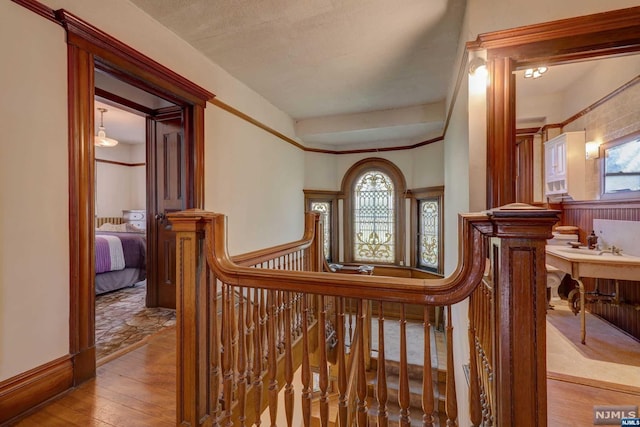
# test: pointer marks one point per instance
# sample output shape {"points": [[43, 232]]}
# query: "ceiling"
{"points": [[366, 63], [353, 74]]}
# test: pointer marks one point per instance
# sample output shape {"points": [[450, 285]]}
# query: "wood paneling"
{"points": [[501, 129], [582, 214]]}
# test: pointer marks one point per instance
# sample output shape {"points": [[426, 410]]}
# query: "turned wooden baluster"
{"points": [[342, 366], [249, 328], [306, 369], [324, 375], [475, 407], [487, 354], [257, 356], [272, 357], [279, 318], [242, 362], [383, 416], [427, 377], [233, 324], [227, 369], [403, 393], [350, 300], [298, 312], [288, 363], [361, 374], [214, 350], [263, 328], [451, 400]]}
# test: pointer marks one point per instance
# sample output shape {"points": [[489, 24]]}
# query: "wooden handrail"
{"points": [[450, 290], [507, 327]]}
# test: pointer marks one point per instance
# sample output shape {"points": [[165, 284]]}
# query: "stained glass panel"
{"points": [[374, 218], [324, 208], [429, 211]]}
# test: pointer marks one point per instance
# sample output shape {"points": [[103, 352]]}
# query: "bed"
{"points": [[121, 255]]}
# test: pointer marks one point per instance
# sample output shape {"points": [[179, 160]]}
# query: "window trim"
{"points": [[416, 195], [331, 197], [625, 195], [400, 187]]}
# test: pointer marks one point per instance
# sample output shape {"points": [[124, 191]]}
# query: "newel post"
{"points": [[195, 402], [518, 253]]}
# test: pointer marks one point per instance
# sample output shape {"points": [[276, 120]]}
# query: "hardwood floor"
{"points": [[571, 405], [138, 389]]}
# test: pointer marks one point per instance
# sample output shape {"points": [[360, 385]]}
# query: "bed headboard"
{"points": [[109, 219]]}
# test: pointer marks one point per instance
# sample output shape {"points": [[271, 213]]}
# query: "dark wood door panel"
{"points": [[169, 182]]}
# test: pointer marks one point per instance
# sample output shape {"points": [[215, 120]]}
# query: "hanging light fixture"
{"points": [[535, 72], [101, 139]]}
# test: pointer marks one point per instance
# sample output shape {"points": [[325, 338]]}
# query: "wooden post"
{"points": [[195, 402], [520, 291]]}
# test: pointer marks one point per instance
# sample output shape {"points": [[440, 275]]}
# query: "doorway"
{"points": [[124, 315], [89, 49]]}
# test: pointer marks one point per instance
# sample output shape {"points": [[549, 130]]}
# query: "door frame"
{"points": [[88, 48], [611, 33]]}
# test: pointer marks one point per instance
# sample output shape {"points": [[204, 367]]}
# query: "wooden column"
{"points": [[195, 402], [81, 214], [501, 130], [518, 251]]}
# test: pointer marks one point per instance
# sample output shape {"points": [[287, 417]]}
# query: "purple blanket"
{"points": [[134, 248]]}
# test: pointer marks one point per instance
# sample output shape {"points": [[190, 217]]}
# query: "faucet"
{"points": [[613, 250]]}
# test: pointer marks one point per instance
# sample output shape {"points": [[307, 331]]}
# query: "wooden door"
{"points": [[167, 193]]}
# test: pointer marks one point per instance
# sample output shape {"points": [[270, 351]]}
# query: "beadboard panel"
{"points": [[582, 214]]}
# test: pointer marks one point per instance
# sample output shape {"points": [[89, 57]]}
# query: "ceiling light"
{"points": [[535, 72], [101, 139]]}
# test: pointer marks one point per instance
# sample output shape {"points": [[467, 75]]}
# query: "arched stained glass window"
{"points": [[374, 218]]}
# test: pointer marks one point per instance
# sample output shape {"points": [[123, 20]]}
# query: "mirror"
{"points": [[621, 173], [598, 97]]}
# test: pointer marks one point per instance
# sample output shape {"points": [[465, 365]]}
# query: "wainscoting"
{"points": [[582, 214]]}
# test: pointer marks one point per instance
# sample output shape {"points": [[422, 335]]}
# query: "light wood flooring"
{"points": [[138, 389]]}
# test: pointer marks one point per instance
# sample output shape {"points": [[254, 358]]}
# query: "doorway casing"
{"points": [[88, 48]]}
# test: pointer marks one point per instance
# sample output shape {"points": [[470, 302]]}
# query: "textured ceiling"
{"points": [[317, 58]]}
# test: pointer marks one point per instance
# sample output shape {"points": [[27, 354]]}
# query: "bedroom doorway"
{"points": [[122, 318], [91, 50]]}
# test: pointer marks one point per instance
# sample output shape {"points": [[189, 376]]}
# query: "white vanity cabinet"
{"points": [[564, 166]]}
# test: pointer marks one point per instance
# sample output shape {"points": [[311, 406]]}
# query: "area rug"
{"points": [[122, 320]]}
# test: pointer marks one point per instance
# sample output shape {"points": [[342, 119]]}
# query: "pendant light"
{"points": [[101, 139]]}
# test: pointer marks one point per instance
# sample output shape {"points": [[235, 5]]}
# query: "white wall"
{"points": [[34, 279], [256, 180], [120, 187], [34, 215], [421, 167]]}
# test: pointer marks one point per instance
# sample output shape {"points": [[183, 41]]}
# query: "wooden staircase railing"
{"points": [[234, 360]]}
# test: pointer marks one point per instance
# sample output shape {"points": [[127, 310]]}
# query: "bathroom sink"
{"points": [[583, 262], [594, 252]]}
